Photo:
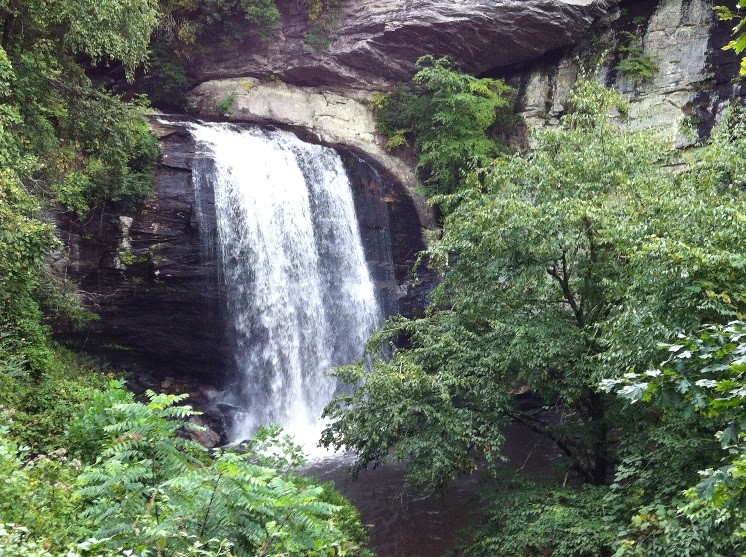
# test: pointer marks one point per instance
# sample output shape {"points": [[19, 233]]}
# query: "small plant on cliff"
{"points": [[450, 119], [323, 20], [636, 64], [225, 106], [184, 22]]}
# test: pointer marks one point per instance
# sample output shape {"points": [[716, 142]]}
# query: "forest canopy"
{"points": [[565, 271]]}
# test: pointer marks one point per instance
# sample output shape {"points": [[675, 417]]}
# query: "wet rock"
{"points": [[391, 233], [203, 434], [155, 292]]}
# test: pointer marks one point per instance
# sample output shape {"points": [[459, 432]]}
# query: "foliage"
{"points": [[449, 119], [42, 407], [82, 146], [24, 242], [528, 269], [86, 428], [422, 404], [166, 81], [225, 106], [520, 516], [528, 518], [143, 488], [150, 487], [17, 541], [561, 268], [185, 23], [636, 63], [683, 273], [64, 145], [323, 16], [701, 381], [738, 44], [38, 493], [108, 31]]}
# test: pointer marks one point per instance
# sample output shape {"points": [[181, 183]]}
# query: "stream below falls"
{"points": [[404, 523]]}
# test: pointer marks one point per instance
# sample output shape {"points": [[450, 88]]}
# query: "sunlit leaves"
{"points": [[703, 381], [738, 44]]}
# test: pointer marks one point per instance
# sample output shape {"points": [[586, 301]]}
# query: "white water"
{"points": [[300, 298]]}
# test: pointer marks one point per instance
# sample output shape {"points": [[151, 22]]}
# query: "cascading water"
{"points": [[300, 298]]}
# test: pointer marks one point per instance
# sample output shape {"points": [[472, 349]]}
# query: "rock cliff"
{"points": [[540, 47], [374, 45], [341, 120], [157, 297], [155, 285], [691, 86]]}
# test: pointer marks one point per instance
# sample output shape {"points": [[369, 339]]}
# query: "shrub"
{"points": [[449, 118]]}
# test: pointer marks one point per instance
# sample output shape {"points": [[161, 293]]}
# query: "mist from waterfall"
{"points": [[299, 296]]}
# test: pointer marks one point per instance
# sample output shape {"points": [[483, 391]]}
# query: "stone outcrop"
{"points": [[156, 296], [540, 47], [686, 95], [375, 44]]}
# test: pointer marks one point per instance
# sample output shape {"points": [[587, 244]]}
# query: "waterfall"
{"points": [[299, 296]]}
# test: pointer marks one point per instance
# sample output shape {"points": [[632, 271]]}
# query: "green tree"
{"points": [[566, 270], [65, 144], [449, 117], [701, 382], [530, 271]]}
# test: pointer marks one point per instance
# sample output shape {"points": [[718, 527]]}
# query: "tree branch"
{"points": [[563, 278]]}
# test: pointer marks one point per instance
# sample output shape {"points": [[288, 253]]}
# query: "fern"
{"points": [[151, 488]]}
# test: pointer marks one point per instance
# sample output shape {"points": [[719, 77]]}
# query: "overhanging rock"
{"points": [[375, 44], [334, 119]]}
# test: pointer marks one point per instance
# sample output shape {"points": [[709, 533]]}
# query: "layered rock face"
{"points": [[689, 91], [374, 47], [147, 277], [375, 44]]}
